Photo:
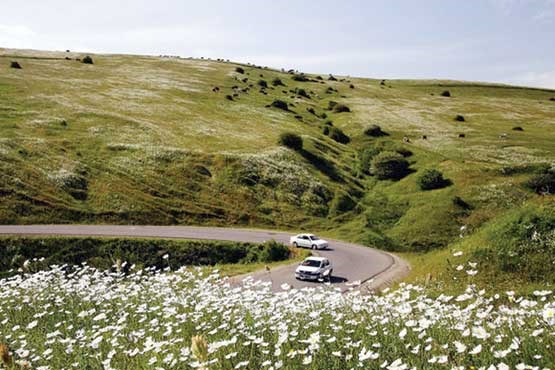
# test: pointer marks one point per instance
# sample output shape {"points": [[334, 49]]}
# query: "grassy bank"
{"points": [[38, 253]]}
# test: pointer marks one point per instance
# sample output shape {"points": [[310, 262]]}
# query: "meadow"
{"points": [[192, 318]]}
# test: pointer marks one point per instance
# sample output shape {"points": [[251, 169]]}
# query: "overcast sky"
{"points": [[510, 41]]}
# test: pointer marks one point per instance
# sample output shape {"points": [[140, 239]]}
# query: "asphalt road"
{"points": [[351, 262]]}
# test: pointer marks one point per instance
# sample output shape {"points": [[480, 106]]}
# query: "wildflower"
{"points": [[166, 256], [460, 347], [458, 254], [476, 350]]}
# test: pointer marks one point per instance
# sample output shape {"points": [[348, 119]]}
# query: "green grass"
{"points": [[136, 140]]}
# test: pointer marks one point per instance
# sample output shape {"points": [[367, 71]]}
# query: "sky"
{"points": [[507, 41]]}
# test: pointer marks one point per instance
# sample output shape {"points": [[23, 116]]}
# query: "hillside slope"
{"points": [[152, 140]]}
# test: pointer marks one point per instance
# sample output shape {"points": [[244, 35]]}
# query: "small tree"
{"points": [[390, 166], [432, 179], [88, 60], [291, 140]]}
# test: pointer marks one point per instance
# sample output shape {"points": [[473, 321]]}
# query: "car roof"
{"points": [[316, 258]]}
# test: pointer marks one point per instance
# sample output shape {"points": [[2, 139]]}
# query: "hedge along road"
{"points": [[352, 263]]}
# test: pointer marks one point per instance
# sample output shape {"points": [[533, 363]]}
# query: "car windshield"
{"points": [[311, 263], [314, 237]]}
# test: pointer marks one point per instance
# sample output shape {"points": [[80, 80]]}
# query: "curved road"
{"points": [[351, 262]]}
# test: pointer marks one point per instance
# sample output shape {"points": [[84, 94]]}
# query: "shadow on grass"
{"points": [[322, 164]]}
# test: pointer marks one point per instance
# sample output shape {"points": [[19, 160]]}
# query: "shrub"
{"points": [[326, 130], [280, 104], [432, 179], [331, 78], [15, 65], [403, 151], [229, 97], [338, 135], [341, 108], [273, 251], [365, 158], [552, 99], [518, 128], [446, 94], [300, 78], [459, 118], [461, 203], [341, 203], [303, 93], [311, 110], [277, 82], [239, 70], [390, 166], [291, 140], [374, 131], [543, 183], [351, 86], [262, 83], [88, 60]]}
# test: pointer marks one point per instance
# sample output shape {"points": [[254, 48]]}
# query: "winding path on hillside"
{"points": [[352, 263]]}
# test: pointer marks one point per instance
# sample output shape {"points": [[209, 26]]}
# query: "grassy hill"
{"points": [[151, 140]]}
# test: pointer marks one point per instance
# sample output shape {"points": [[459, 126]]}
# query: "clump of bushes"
{"points": [[229, 97], [262, 83], [15, 65], [374, 131], [331, 78], [542, 183], [337, 107], [280, 104], [365, 157], [459, 118], [446, 94], [389, 166], [432, 179], [277, 82], [88, 60], [239, 70], [300, 77], [337, 134], [303, 93], [341, 203], [291, 140]]}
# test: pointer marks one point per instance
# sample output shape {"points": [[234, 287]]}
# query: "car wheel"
{"points": [[329, 275], [314, 246], [295, 245]]}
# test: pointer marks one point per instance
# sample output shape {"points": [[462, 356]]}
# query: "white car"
{"points": [[308, 241], [314, 268]]}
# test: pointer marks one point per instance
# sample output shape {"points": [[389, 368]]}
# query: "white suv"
{"points": [[308, 241], [314, 268]]}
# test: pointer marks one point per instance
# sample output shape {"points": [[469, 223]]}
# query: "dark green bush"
{"points": [[374, 131], [300, 78], [88, 60], [277, 82], [543, 183], [341, 203], [326, 130], [338, 135], [303, 93], [280, 104], [15, 65], [431, 179], [459, 118], [365, 157], [446, 94], [291, 140], [229, 97], [518, 128], [341, 108], [239, 70], [389, 166], [262, 83]]}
